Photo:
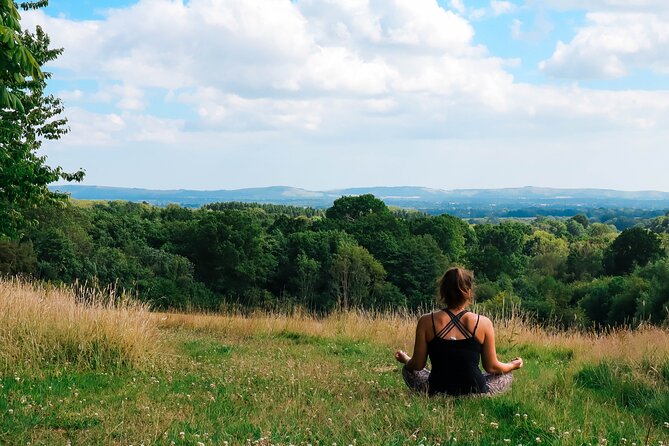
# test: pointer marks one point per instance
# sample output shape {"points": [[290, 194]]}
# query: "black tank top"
{"points": [[455, 363]]}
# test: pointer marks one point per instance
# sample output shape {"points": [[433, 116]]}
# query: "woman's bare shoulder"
{"points": [[425, 321], [483, 320], [425, 318]]}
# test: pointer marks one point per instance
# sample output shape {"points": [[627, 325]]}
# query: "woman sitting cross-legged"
{"points": [[456, 340]]}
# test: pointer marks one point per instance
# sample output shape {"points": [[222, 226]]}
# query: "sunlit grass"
{"points": [[297, 379], [41, 324]]}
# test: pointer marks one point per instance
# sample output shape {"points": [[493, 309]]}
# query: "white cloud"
{"points": [[242, 63], [458, 5], [502, 7], [70, 95], [611, 45], [541, 28], [91, 129], [655, 6], [129, 97], [344, 73], [477, 13]]}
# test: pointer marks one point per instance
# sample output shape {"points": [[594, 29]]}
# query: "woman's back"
{"points": [[455, 353], [455, 344]]}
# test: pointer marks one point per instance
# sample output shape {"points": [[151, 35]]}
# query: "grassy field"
{"points": [[86, 369]]}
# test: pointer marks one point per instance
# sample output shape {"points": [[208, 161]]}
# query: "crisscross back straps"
{"points": [[478, 317], [455, 322]]}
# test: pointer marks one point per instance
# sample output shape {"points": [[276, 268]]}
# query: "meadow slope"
{"points": [[81, 370]]}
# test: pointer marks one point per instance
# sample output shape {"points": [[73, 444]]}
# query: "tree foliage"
{"points": [[250, 257], [633, 247], [27, 117]]}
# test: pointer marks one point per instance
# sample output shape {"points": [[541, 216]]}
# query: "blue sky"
{"points": [[320, 94]]}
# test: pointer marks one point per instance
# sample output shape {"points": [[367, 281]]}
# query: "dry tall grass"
{"points": [[44, 324], [646, 343]]}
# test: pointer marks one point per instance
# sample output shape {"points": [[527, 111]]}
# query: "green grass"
{"points": [[293, 387]]}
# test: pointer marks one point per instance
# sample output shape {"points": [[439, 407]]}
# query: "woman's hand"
{"points": [[517, 362], [402, 357]]}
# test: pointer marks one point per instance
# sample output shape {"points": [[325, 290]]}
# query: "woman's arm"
{"points": [[419, 359], [489, 355]]}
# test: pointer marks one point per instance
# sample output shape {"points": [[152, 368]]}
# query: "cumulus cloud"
{"points": [[308, 50], [94, 129], [611, 44], [310, 73]]}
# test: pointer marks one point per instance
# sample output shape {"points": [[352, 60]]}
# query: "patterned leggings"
{"points": [[417, 381]]}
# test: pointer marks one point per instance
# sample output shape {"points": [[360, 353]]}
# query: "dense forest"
{"points": [[358, 253]]}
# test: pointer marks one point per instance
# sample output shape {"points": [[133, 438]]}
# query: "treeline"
{"points": [[358, 253]]}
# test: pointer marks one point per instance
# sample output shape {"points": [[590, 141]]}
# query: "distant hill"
{"points": [[464, 202]]}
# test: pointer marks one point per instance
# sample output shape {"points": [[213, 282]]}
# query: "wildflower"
{"points": [[666, 424], [525, 416], [494, 425], [624, 440], [517, 415], [538, 439], [551, 429], [199, 443], [182, 435], [507, 440]]}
